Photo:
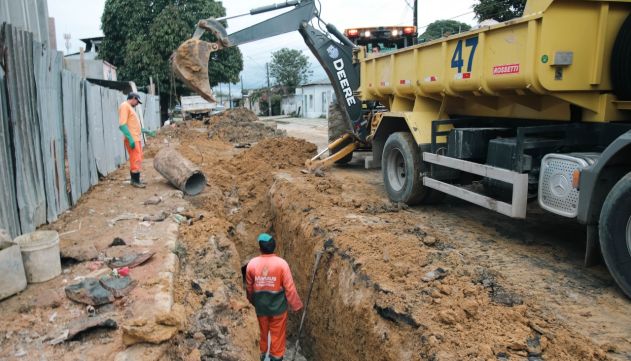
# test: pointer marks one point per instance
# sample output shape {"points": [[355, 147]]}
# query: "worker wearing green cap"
{"points": [[270, 288]]}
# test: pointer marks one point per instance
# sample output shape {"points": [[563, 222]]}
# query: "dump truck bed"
{"points": [[531, 67]]}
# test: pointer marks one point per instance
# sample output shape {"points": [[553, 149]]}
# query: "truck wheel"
{"points": [[337, 128], [401, 167], [615, 233]]}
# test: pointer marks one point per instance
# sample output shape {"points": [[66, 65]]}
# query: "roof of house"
{"points": [[324, 81]]}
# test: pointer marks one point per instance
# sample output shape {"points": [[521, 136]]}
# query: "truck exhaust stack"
{"points": [[190, 64]]}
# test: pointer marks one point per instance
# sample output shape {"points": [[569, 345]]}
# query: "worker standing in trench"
{"points": [[129, 125], [270, 288]]}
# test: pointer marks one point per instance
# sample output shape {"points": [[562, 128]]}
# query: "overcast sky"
{"points": [[82, 19]]}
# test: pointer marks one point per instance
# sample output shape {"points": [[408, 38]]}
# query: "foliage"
{"points": [[141, 35], [289, 68], [440, 28], [500, 10]]}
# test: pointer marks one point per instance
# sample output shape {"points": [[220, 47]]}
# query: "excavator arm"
{"points": [[332, 49]]}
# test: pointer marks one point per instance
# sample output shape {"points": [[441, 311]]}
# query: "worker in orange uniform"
{"points": [[271, 290], [130, 127]]}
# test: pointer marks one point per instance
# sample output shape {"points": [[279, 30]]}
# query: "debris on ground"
{"points": [[436, 274], [156, 217], [118, 286], [89, 291], [81, 326], [118, 242], [130, 260], [160, 328], [153, 200]]}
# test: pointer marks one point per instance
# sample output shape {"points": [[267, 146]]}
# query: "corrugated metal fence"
{"points": [[58, 133]]}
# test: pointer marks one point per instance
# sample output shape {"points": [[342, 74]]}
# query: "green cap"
{"points": [[264, 237]]}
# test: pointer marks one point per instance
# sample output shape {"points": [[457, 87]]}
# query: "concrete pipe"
{"points": [[180, 171]]}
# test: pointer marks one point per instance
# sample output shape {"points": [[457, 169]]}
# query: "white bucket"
{"points": [[12, 277], [40, 253]]}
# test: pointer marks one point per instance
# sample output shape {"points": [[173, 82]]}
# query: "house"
{"points": [[93, 67], [312, 100]]}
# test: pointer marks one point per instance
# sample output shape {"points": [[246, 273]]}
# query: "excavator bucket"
{"points": [[190, 63]]}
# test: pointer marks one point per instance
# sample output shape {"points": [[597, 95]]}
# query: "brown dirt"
{"points": [[370, 298], [394, 284], [190, 63], [240, 126]]}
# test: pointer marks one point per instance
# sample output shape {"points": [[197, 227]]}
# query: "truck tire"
{"points": [[615, 233], [401, 167], [337, 128], [620, 64]]}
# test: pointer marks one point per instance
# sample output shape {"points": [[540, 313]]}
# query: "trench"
{"points": [[370, 299]]}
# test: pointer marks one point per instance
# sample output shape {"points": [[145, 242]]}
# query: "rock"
{"points": [[118, 242], [142, 330], [131, 260], [319, 172], [429, 241], [534, 346], [153, 201], [448, 317], [119, 286], [80, 253], [90, 292], [436, 274], [199, 337], [471, 308], [176, 318]]}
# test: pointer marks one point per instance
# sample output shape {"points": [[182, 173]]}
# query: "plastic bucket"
{"points": [[40, 253], [12, 277]]}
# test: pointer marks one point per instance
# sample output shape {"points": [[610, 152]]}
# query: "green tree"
{"points": [[141, 35], [440, 28], [500, 10], [289, 68]]}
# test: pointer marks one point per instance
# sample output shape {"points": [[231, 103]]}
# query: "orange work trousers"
{"points": [[135, 156], [276, 326]]}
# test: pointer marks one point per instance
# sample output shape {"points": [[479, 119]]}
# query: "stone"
{"points": [[118, 242], [80, 253], [143, 330], [448, 317], [436, 274], [153, 201], [82, 325], [429, 241], [90, 292]]}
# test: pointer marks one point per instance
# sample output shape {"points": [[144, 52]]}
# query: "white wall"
{"points": [[314, 100]]}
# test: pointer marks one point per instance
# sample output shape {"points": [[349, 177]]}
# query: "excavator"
{"points": [[335, 52]]}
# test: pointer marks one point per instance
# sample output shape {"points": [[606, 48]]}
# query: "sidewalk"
{"points": [[111, 209]]}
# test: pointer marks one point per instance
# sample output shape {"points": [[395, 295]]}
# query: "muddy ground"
{"points": [[448, 282]]}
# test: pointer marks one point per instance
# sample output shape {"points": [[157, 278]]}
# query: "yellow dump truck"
{"points": [[533, 110]]}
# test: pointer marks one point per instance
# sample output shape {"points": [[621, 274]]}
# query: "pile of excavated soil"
{"points": [[240, 126]]}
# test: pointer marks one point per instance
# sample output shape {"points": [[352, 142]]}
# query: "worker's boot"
{"points": [[136, 182]]}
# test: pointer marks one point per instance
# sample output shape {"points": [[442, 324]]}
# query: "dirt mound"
{"points": [[279, 153], [240, 126]]}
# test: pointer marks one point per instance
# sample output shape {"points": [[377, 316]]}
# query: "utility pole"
{"points": [[416, 14], [230, 95], [242, 94], [269, 96]]}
